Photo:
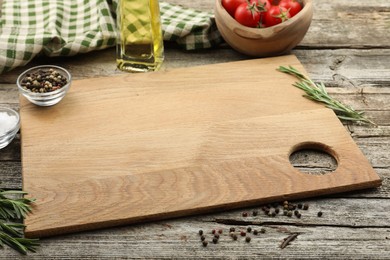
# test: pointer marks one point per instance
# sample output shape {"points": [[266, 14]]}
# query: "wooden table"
{"points": [[348, 48]]}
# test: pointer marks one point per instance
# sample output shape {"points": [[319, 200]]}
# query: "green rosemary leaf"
{"points": [[12, 192], [348, 118], [317, 92], [6, 213]]}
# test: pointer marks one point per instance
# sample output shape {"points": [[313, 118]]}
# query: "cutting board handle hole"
{"points": [[313, 158]]}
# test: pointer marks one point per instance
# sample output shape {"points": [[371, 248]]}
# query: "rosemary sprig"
{"points": [[12, 209], [317, 92]]}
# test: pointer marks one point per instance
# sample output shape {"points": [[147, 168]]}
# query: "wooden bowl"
{"points": [[264, 42]]}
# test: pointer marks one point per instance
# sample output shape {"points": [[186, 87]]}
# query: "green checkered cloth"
{"points": [[66, 28]]}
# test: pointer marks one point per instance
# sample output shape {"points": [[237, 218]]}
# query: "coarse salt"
{"points": [[7, 122]]}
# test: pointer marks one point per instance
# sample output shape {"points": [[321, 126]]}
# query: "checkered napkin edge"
{"points": [[66, 28]]}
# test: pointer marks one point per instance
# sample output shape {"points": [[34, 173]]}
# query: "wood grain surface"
{"points": [[131, 148], [347, 48]]}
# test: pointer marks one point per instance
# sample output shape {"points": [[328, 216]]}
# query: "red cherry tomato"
{"points": [[276, 15], [231, 5], [293, 6], [262, 5], [247, 14]]}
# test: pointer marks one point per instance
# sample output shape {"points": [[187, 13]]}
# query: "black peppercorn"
{"points": [[204, 243], [299, 215], [202, 238], [277, 210], [215, 240], [248, 239], [305, 206], [249, 229], [234, 237], [232, 229], [216, 236], [296, 212], [200, 232], [255, 232], [262, 230], [254, 213], [319, 214], [244, 214], [43, 81], [285, 212], [289, 213]]}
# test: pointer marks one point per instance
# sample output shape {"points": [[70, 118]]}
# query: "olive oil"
{"points": [[140, 43]]}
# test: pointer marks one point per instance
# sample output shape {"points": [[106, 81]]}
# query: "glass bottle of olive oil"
{"points": [[140, 43]]}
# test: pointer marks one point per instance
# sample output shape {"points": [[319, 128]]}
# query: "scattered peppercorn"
{"points": [[254, 213], [305, 206], [204, 243], [319, 214], [244, 214], [249, 229], [292, 207], [215, 240], [300, 205], [248, 239], [200, 232], [243, 233], [285, 212], [202, 238], [234, 237], [277, 210], [255, 232], [216, 236], [299, 215], [296, 212], [232, 229], [213, 231], [220, 231], [289, 213], [262, 230]]}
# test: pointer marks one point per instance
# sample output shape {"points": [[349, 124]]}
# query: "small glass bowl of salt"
{"points": [[9, 125]]}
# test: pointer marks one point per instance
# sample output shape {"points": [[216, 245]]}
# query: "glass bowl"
{"points": [[46, 98], [9, 125]]}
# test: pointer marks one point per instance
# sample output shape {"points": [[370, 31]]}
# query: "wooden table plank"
{"points": [[347, 47]]}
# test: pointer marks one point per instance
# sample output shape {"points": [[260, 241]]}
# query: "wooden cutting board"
{"points": [[140, 147]]}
